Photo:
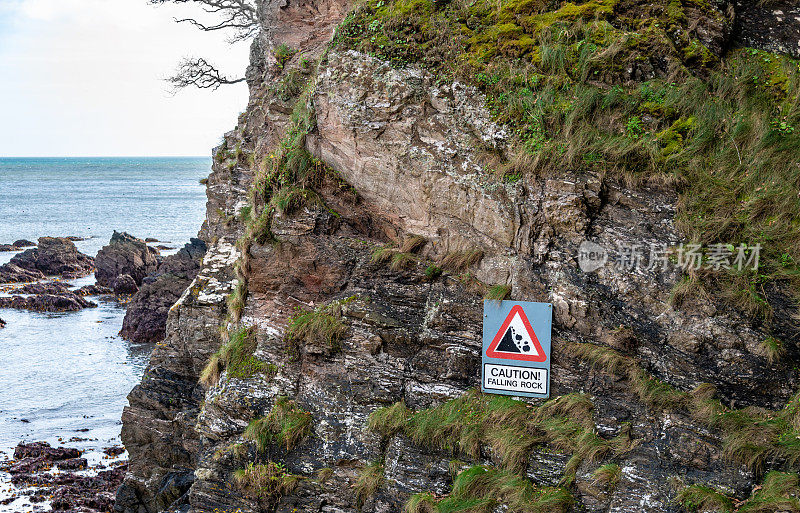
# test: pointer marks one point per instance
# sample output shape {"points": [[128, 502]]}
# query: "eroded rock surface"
{"points": [[146, 314], [125, 255], [772, 26]]}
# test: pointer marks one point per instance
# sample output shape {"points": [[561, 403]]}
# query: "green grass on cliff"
{"points": [[320, 327], [563, 77], [498, 292], [510, 428], [483, 489], [286, 425], [751, 436], [236, 356], [370, 478], [704, 498], [265, 482], [606, 477], [779, 491]]}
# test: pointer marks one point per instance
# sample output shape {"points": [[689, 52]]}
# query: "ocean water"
{"points": [[90, 197], [67, 375]]}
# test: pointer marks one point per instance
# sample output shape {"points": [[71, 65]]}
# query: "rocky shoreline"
{"points": [[62, 478], [134, 273], [128, 268]]}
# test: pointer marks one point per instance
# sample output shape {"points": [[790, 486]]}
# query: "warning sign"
{"points": [[516, 348], [516, 339]]}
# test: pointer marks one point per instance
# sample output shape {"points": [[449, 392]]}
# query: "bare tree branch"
{"points": [[198, 72], [237, 15]]}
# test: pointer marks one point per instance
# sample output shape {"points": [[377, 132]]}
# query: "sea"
{"points": [[64, 377]]}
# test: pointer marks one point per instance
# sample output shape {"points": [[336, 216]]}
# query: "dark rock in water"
{"points": [[28, 465], [54, 256], [163, 247], [2, 323], [66, 302], [125, 285], [125, 255], [146, 317], [48, 287], [94, 290], [72, 464], [150, 239], [114, 451], [12, 273], [43, 449], [17, 245], [67, 491], [76, 238]]}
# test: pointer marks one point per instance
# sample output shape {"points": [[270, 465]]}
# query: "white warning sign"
{"points": [[515, 379]]}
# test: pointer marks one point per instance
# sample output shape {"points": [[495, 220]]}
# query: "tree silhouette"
{"points": [[238, 17]]}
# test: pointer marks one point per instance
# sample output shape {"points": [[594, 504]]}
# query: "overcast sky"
{"points": [[85, 78]]}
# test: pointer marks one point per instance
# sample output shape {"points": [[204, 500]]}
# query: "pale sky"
{"points": [[85, 78]]}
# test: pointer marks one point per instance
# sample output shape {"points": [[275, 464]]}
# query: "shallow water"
{"points": [[65, 372], [66, 375]]}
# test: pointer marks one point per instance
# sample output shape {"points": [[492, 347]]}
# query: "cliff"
{"points": [[400, 160]]}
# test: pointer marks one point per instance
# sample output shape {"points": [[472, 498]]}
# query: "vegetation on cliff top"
{"points": [[629, 89]]}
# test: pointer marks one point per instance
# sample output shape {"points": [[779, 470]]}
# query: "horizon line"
{"points": [[105, 156]]}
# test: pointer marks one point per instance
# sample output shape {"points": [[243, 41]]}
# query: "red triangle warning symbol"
{"points": [[516, 340]]}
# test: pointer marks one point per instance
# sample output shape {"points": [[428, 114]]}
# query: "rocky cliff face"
{"points": [[323, 357]]}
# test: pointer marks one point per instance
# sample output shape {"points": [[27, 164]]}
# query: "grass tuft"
{"points": [[384, 254], [265, 482], [402, 261], [606, 476], [460, 261], [396, 257], [498, 292], [286, 424], [236, 300], [704, 498], [318, 327], [413, 243], [389, 420], [369, 480], [772, 349], [424, 502], [236, 356]]}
